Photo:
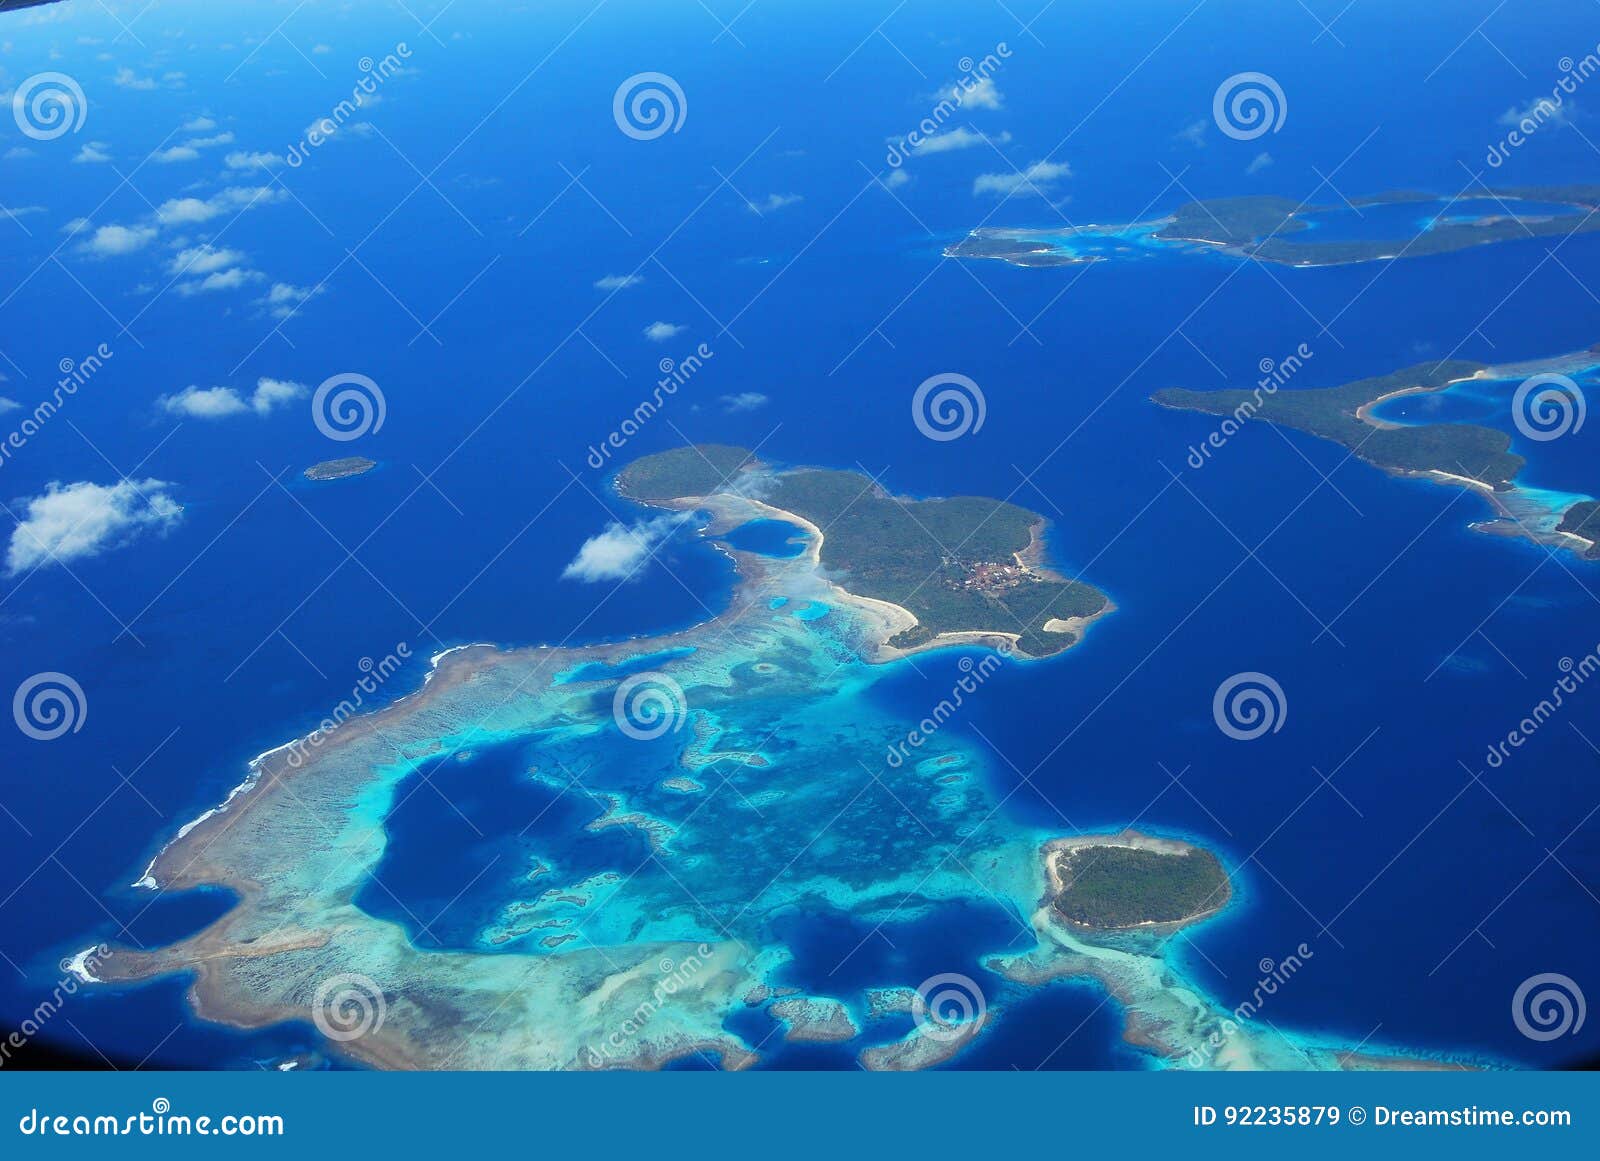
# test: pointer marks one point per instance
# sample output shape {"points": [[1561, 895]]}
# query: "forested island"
{"points": [[961, 565], [1132, 880]]}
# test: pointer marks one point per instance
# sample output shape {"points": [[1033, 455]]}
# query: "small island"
{"points": [[952, 568], [1275, 229], [1583, 521], [1132, 880], [340, 469]]}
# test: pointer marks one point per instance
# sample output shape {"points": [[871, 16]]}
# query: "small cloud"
{"points": [[176, 153], [1194, 133], [126, 78], [1257, 163], [984, 94], [321, 49], [114, 241], [18, 153], [1540, 111], [73, 521], [9, 405], [76, 226], [190, 211], [618, 281], [773, 202], [1039, 178], [204, 259], [199, 125], [897, 178], [620, 550], [211, 142], [226, 402], [241, 159], [660, 332], [15, 212], [221, 280], [957, 138], [743, 401], [93, 153], [285, 298]]}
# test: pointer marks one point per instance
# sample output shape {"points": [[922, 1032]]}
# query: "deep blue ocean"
{"points": [[1369, 828]]}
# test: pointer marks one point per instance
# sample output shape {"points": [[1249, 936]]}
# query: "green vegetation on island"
{"points": [[958, 565], [1106, 885], [1459, 449], [1583, 519], [340, 469]]}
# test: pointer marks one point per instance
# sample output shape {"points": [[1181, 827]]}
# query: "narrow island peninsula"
{"points": [[659, 910], [340, 469], [965, 568], [1458, 454], [1279, 230]]}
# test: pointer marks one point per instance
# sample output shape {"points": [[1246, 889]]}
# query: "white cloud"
{"points": [[1194, 133], [14, 212], [773, 202], [93, 153], [76, 226], [743, 401], [225, 402], [660, 332], [285, 298], [240, 159], [113, 241], [1540, 111], [618, 281], [72, 521], [1039, 178], [221, 280], [211, 142], [204, 259], [984, 94], [8, 405], [126, 78], [199, 125], [958, 138], [190, 211], [17, 153], [620, 550], [176, 153], [1257, 163], [896, 178]]}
